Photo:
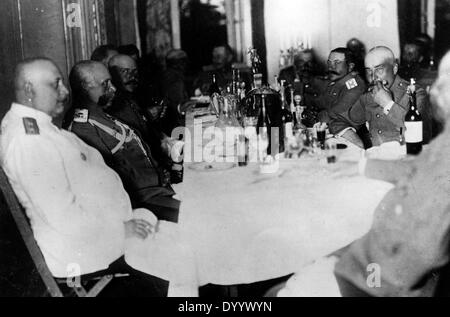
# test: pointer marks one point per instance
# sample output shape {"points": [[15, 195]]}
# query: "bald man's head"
{"points": [[38, 84], [91, 84], [381, 66], [124, 73], [440, 92]]}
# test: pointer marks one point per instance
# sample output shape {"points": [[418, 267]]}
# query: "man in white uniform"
{"points": [[79, 211]]}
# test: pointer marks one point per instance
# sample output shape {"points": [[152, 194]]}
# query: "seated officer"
{"points": [[384, 106], [221, 67], [304, 68], [411, 66], [78, 209], [121, 146], [127, 107], [303, 77], [406, 252], [343, 87]]}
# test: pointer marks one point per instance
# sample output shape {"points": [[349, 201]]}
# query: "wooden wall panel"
{"points": [[43, 30], [10, 51]]}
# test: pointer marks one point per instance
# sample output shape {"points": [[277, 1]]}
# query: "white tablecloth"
{"points": [[247, 227]]}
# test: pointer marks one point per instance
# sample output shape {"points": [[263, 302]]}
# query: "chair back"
{"points": [[24, 227]]}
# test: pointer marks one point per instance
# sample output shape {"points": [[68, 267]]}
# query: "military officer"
{"points": [[125, 107], [384, 106], [121, 146], [406, 252], [77, 206], [343, 86], [409, 237]]}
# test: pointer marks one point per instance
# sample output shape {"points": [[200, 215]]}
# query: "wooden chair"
{"points": [[54, 286]]}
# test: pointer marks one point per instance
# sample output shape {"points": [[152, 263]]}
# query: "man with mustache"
{"points": [[122, 147], [406, 252], [77, 206], [384, 106], [343, 86], [131, 110]]}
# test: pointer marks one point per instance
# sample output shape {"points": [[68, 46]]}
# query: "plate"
{"points": [[211, 167]]}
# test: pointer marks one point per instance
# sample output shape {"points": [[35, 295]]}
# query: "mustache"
{"points": [[133, 81]]}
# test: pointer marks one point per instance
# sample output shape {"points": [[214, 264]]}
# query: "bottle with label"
{"points": [[413, 124]]}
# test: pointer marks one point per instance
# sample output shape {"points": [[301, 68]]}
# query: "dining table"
{"points": [[246, 226]]}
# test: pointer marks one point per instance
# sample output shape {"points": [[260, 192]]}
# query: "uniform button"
{"points": [[378, 116], [380, 132]]}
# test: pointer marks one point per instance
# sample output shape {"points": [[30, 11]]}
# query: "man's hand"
{"points": [[381, 94], [138, 228]]}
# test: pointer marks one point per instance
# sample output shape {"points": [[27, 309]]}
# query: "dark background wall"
{"points": [[10, 51], [29, 28]]}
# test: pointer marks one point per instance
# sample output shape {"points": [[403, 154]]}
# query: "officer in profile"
{"points": [[122, 147]]}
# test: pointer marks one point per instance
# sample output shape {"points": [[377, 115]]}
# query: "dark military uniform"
{"points": [[339, 96], [306, 85], [384, 128], [126, 109], [126, 153], [409, 239]]}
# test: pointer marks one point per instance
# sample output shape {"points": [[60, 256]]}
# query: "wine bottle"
{"points": [[413, 124], [256, 72], [292, 106], [263, 137], [214, 87], [286, 116]]}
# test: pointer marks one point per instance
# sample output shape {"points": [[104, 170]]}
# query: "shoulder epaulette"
{"points": [[81, 116], [351, 83], [31, 126]]}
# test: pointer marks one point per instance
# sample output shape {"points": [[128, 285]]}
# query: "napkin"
{"points": [[387, 151]]}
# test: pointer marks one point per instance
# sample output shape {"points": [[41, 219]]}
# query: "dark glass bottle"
{"points": [[286, 116], [413, 124], [214, 87]]}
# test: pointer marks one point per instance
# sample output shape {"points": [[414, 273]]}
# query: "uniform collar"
{"points": [[399, 83], [341, 80], [24, 111]]}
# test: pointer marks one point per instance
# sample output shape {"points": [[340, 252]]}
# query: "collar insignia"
{"points": [[31, 127], [81, 116], [351, 83]]}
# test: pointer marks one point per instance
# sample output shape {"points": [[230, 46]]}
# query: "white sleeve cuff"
{"points": [[388, 107], [340, 134]]}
